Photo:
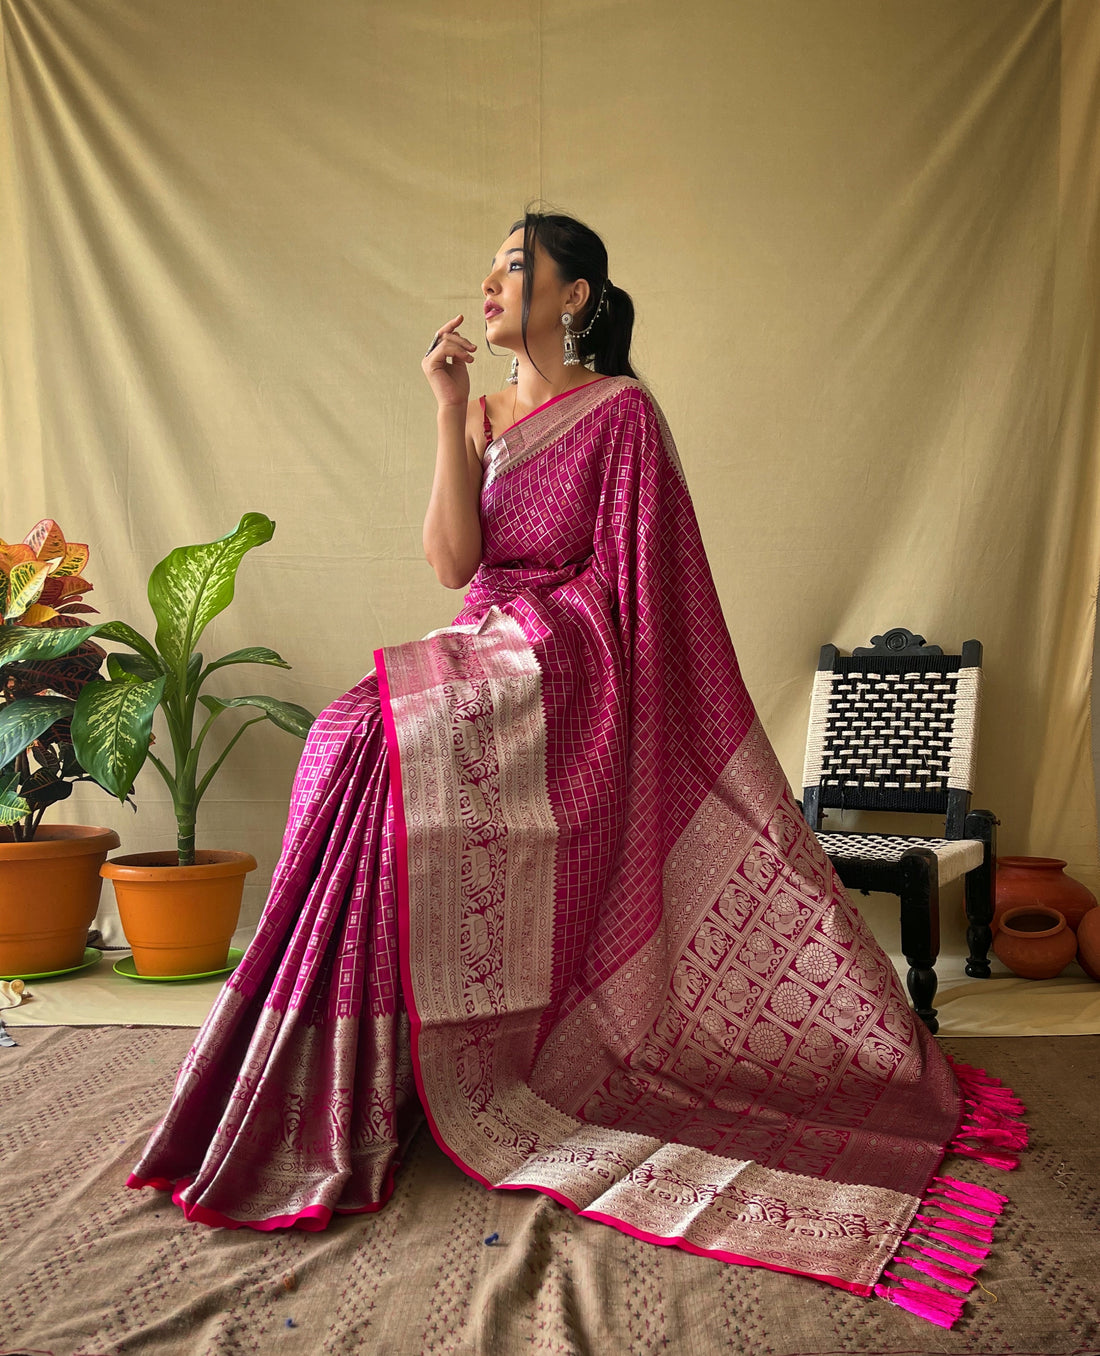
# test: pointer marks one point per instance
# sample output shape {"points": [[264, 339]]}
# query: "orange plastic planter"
{"points": [[49, 895], [179, 920]]}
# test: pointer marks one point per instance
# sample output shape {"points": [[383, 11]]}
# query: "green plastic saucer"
{"points": [[128, 970], [91, 957]]}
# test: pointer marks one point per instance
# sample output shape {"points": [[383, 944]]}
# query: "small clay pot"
{"points": [[1040, 880], [1034, 942], [1088, 944]]}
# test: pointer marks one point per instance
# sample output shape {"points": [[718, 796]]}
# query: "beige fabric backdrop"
{"points": [[860, 234]]}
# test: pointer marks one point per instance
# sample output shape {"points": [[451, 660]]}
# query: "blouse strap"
{"points": [[488, 426]]}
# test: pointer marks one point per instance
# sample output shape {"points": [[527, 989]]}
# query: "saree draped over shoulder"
{"points": [[543, 879]]}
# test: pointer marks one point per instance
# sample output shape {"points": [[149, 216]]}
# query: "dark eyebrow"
{"points": [[515, 250]]}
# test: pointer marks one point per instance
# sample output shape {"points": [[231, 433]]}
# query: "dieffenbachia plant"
{"points": [[112, 723]]}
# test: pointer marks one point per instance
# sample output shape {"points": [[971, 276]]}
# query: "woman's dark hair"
{"points": [[579, 252]]}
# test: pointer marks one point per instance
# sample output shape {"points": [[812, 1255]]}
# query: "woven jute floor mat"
{"points": [[88, 1268]]}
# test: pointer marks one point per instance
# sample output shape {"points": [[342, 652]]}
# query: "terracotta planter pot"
{"points": [[1035, 942], [1040, 880], [179, 920], [49, 895], [1088, 944]]}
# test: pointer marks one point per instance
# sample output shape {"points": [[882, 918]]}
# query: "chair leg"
{"points": [[980, 890], [920, 929]]}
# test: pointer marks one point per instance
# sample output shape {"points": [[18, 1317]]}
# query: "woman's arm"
{"points": [[452, 526]]}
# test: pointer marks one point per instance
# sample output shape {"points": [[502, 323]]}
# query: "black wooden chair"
{"points": [[893, 727]]}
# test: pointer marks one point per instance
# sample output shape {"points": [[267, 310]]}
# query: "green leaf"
{"points": [[192, 584], [45, 793], [135, 667], [126, 635], [253, 654], [23, 721], [111, 729], [288, 716], [131, 667], [28, 643], [13, 807]]}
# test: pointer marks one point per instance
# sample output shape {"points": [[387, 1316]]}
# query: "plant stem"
{"points": [[212, 769], [185, 833]]}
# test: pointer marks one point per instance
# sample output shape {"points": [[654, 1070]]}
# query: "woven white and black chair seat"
{"points": [[954, 856]]}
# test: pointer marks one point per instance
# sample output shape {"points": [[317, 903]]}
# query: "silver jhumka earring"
{"points": [[569, 344], [569, 340], [513, 376]]}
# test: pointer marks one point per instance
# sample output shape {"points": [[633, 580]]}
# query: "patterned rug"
{"points": [[88, 1268]]}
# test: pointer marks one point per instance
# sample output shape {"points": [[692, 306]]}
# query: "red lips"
{"points": [[492, 309]]}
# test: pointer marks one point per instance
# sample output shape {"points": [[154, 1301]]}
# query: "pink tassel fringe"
{"points": [[961, 1212], [923, 1300], [948, 1259], [955, 1214], [942, 1236], [984, 1235], [951, 1278]]}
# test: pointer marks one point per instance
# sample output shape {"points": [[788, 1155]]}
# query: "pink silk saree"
{"points": [[544, 881]]}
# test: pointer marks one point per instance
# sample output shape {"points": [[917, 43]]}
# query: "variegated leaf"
{"points": [[63, 677], [58, 589], [25, 582], [30, 643], [194, 583], [253, 654], [23, 721], [111, 729], [125, 634], [37, 614], [287, 716], [13, 552], [47, 541], [13, 807]]}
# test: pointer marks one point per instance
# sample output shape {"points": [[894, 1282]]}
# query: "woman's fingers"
{"points": [[447, 347], [449, 330]]}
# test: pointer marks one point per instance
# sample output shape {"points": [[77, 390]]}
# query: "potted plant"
{"points": [[179, 909], [49, 873]]}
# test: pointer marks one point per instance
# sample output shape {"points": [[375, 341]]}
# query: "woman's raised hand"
{"points": [[446, 364]]}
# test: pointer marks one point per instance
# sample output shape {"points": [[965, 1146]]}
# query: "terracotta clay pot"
{"points": [[1088, 944], [1040, 880], [1035, 942], [179, 920], [49, 895]]}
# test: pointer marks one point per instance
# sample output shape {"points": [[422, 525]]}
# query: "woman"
{"points": [[544, 880]]}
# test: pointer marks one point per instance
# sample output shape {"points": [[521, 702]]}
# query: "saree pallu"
{"points": [[544, 882]]}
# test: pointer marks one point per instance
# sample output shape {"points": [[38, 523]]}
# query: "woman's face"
{"points": [[503, 291]]}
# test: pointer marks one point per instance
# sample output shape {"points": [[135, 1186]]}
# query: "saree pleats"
{"points": [[297, 1090]]}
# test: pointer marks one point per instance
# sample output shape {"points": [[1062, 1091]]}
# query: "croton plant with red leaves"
{"points": [[42, 585]]}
